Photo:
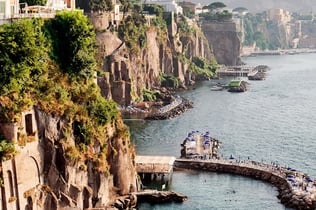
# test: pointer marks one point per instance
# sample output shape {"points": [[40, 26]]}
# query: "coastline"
{"points": [[296, 189], [279, 52]]}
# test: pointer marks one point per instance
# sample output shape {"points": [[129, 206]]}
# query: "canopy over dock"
{"points": [[154, 164]]}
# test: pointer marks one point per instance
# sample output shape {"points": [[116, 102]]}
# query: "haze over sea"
{"points": [[273, 121]]}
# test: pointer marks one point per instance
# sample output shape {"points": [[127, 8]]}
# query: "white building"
{"points": [[168, 5], [7, 9], [279, 15], [14, 9]]}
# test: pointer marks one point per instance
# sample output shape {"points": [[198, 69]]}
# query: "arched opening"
{"points": [[29, 205], [38, 169]]}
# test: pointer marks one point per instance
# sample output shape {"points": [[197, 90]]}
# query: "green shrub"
{"points": [[103, 110], [202, 68], [7, 149], [133, 31], [169, 81], [73, 41], [149, 95]]}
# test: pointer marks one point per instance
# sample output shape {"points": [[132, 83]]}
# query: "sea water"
{"points": [[274, 121]]}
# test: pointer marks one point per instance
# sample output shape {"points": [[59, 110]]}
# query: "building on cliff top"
{"points": [[13, 9]]}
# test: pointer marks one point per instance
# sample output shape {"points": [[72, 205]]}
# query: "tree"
{"points": [[101, 5], [240, 9], [34, 2], [23, 55], [73, 41], [126, 5], [214, 6]]}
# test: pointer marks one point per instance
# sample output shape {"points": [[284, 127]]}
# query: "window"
{"points": [[11, 183], [29, 124], [2, 7]]}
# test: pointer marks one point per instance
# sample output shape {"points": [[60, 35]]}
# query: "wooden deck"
{"points": [[234, 71]]}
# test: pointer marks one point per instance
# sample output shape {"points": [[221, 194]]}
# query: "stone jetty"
{"points": [[177, 107], [296, 189]]}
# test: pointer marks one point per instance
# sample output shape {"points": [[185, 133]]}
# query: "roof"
{"points": [[154, 164], [235, 83]]}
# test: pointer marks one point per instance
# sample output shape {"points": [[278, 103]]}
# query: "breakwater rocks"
{"points": [[172, 110], [258, 73], [296, 189], [149, 196], [155, 196], [124, 202]]}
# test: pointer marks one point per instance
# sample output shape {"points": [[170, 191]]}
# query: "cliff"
{"points": [[48, 173], [62, 145], [224, 39], [127, 73], [308, 38], [66, 146]]}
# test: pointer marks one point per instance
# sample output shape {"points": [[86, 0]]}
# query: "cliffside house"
{"points": [[21, 175], [13, 9]]}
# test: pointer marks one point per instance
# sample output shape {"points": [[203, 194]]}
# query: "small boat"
{"points": [[237, 85]]}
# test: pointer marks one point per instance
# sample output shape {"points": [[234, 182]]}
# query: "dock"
{"points": [[234, 71], [155, 168], [252, 72]]}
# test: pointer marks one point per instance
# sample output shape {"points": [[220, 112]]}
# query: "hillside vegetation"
{"points": [[51, 65]]}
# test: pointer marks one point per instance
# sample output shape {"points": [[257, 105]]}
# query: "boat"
{"points": [[237, 85]]}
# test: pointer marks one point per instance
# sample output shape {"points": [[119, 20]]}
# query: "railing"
{"points": [[34, 15]]}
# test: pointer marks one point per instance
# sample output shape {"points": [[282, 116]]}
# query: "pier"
{"points": [[234, 71], [252, 72], [296, 189], [155, 168]]}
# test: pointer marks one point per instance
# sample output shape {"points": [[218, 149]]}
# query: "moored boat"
{"points": [[237, 85]]}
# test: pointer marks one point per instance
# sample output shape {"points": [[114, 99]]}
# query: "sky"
{"points": [[302, 6]]}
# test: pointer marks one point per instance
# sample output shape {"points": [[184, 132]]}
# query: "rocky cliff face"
{"points": [[76, 183], [308, 39], [224, 39], [126, 73]]}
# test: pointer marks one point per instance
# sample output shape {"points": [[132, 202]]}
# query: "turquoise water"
{"points": [[273, 121]]}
